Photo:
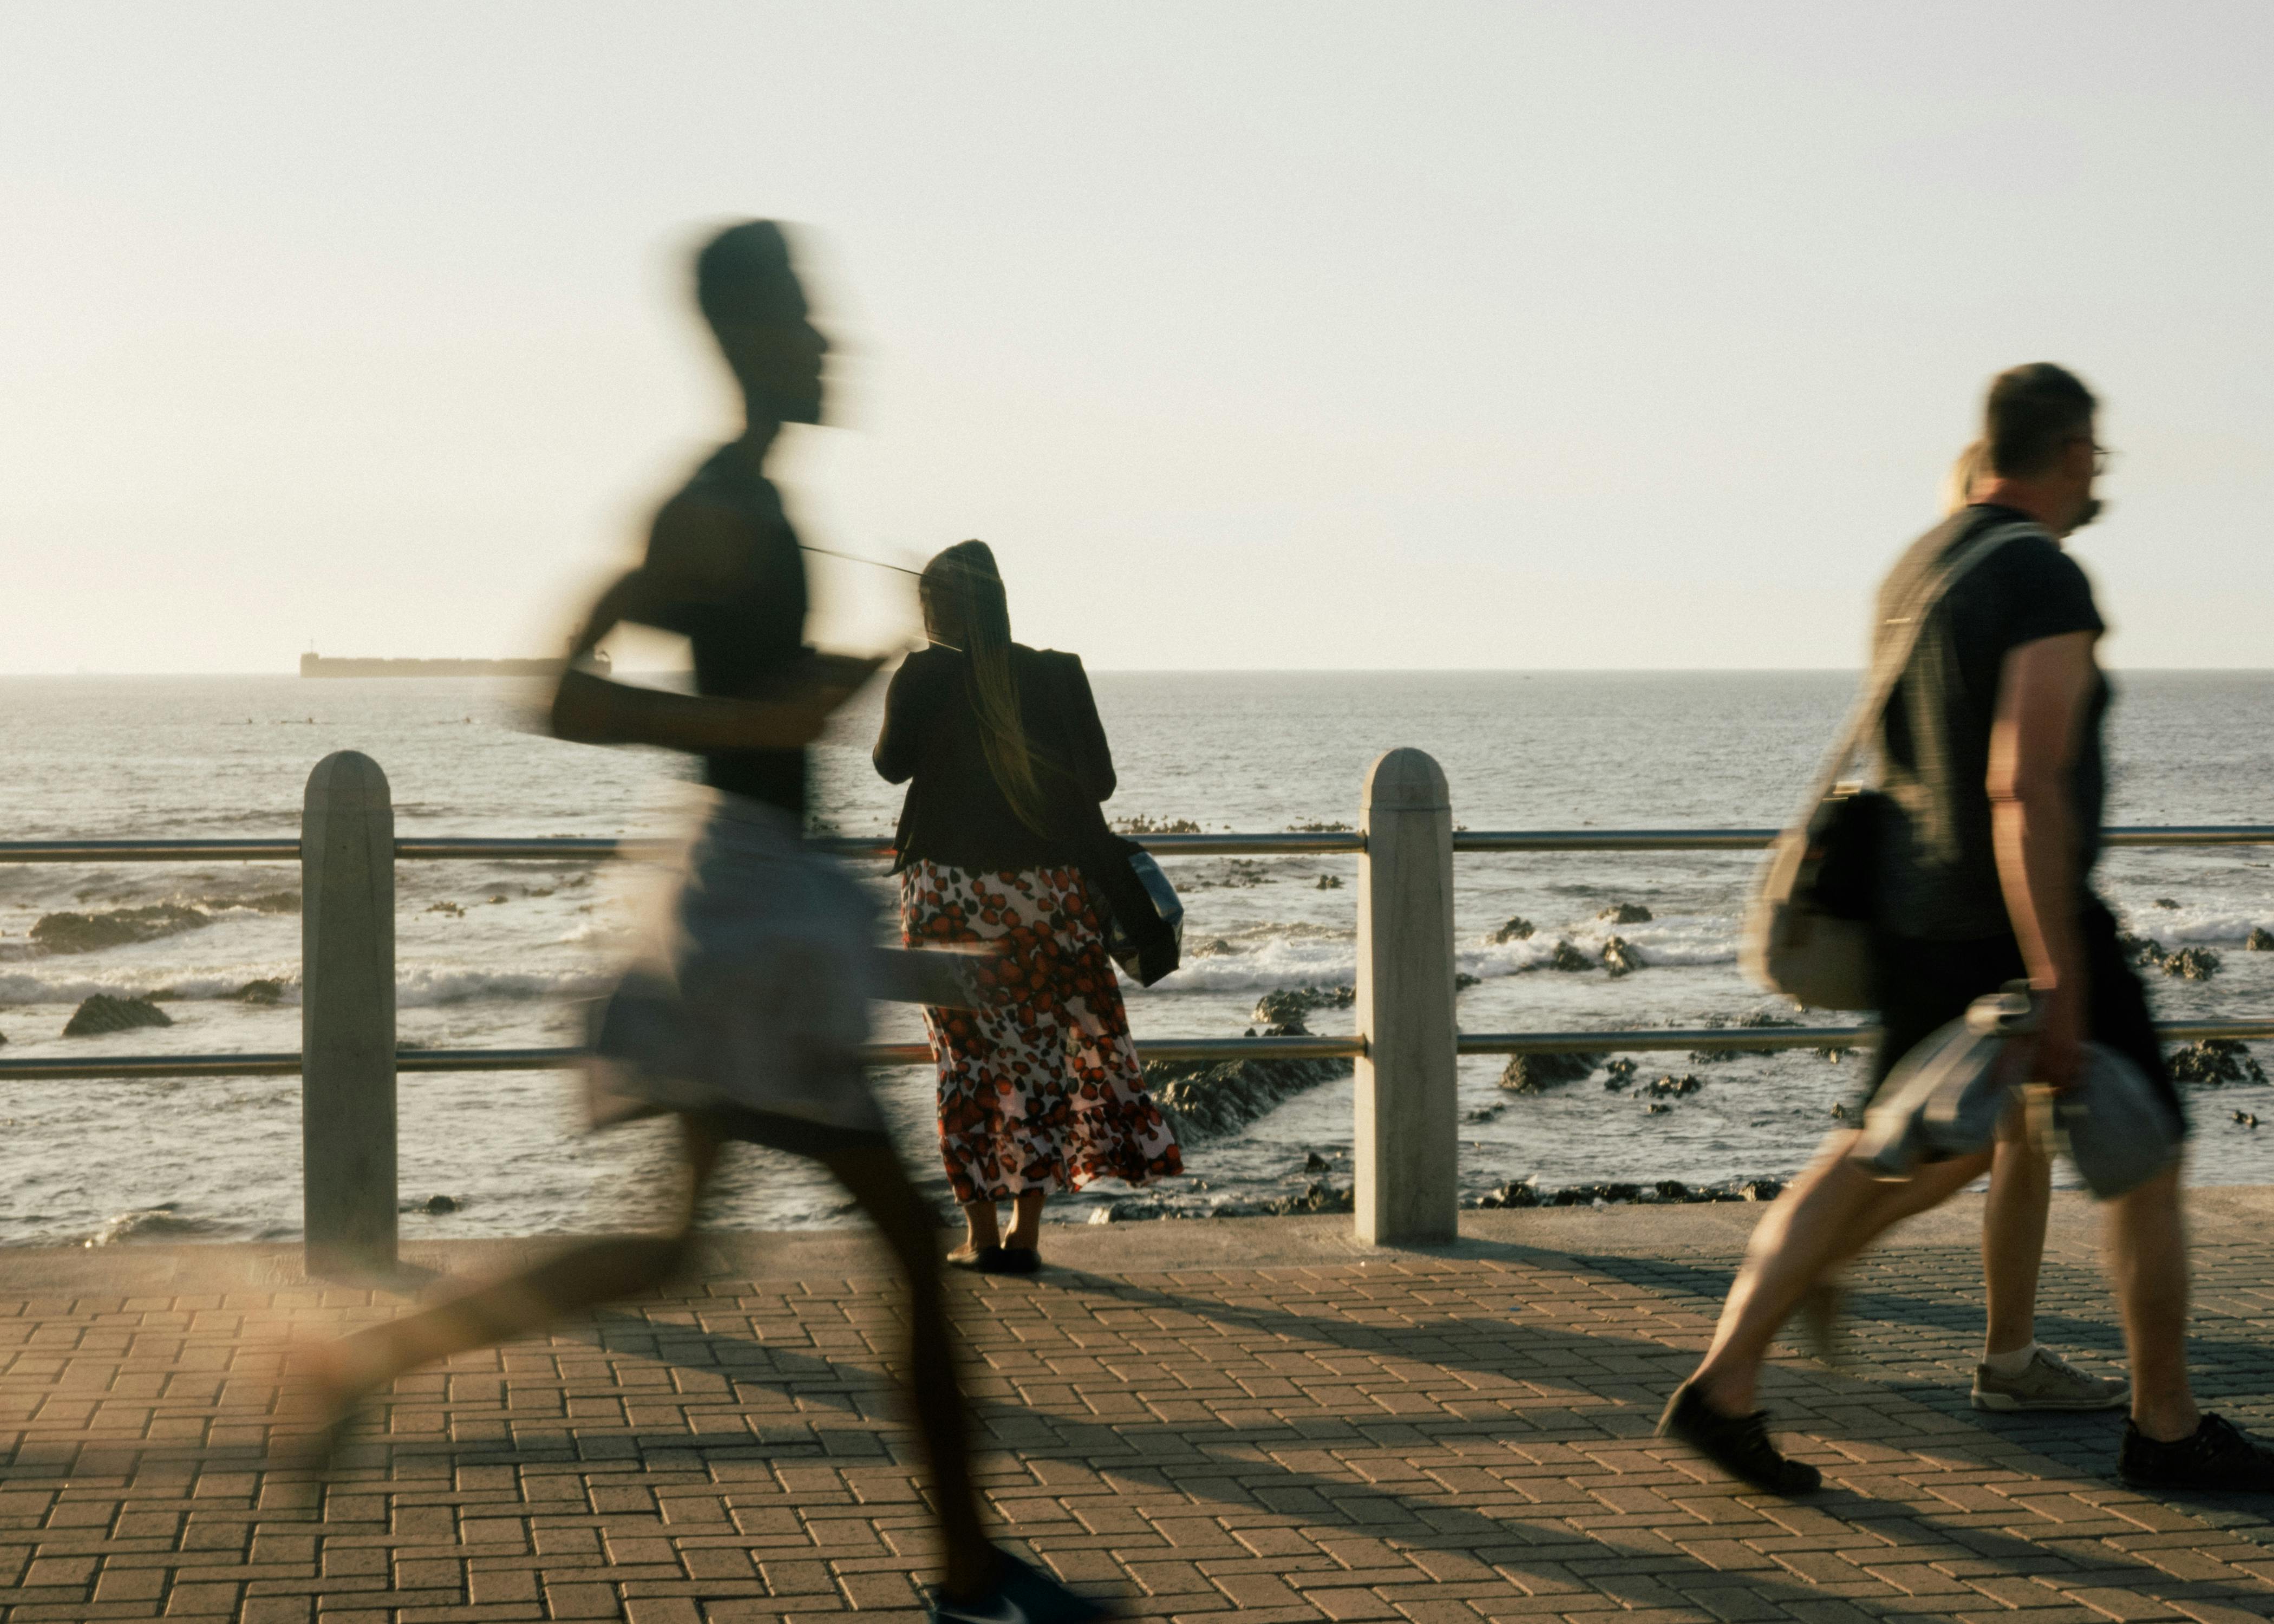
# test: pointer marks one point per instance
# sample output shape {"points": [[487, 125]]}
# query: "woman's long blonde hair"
{"points": [[964, 608], [1965, 474]]}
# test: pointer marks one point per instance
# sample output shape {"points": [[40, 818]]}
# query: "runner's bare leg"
{"points": [[873, 1176]]}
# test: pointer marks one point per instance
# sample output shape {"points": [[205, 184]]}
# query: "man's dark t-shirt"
{"points": [[1939, 880], [751, 631]]}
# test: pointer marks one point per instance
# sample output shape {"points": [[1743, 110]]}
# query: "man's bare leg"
{"points": [[1831, 1213], [2014, 1237], [2147, 1250], [340, 1373], [872, 1175]]}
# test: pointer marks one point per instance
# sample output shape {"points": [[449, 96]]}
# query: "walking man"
{"points": [[1991, 754]]}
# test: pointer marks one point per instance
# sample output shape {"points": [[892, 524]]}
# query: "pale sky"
{"points": [[1251, 335]]}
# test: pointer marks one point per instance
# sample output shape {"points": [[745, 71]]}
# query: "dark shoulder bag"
{"points": [[1807, 931], [1144, 920]]}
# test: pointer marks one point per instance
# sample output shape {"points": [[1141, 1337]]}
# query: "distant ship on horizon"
{"points": [[314, 665]]}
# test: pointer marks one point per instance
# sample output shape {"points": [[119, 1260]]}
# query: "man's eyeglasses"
{"points": [[2102, 456]]}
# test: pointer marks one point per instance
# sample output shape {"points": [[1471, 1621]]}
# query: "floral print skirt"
{"points": [[1041, 1090]]}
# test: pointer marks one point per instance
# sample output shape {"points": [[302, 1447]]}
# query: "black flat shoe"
{"points": [[984, 1260], [1012, 1260], [1022, 1594], [2217, 1455], [1739, 1445]]}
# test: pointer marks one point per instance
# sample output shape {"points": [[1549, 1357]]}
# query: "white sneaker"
{"points": [[2051, 1383]]}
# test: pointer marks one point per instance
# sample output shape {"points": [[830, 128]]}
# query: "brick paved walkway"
{"points": [[1197, 1420]]}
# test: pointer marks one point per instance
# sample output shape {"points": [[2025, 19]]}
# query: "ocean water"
{"points": [[500, 953]]}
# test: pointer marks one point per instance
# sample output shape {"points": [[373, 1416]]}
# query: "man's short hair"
{"points": [[2033, 413], [744, 274]]}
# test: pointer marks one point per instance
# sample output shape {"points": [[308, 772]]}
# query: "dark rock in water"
{"points": [[1674, 1087], [1658, 1108], [1566, 957], [1666, 1190], [2166, 902], [1203, 1101], [2194, 964], [1621, 1071], [1625, 913], [2247, 1119], [1537, 1073], [1510, 1195], [1483, 1113], [104, 1014], [1622, 956], [1463, 980], [1319, 1198], [1516, 930], [2213, 1061], [91, 933], [1218, 949], [438, 1204], [1314, 1163], [261, 991], [1759, 1017], [2261, 940], [2140, 950], [1330, 882], [3, 1040], [1287, 1005]]}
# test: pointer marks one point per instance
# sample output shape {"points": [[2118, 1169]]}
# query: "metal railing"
{"points": [[1405, 1044]]}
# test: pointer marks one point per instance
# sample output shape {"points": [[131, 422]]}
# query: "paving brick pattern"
{"points": [[1438, 1437]]}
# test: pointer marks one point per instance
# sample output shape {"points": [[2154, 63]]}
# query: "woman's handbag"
{"points": [[1137, 892], [1144, 918], [1807, 931]]}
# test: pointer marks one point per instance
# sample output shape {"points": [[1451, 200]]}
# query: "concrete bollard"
{"points": [[1406, 1128], [347, 1018]]}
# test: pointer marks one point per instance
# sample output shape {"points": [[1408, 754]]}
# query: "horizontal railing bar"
{"points": [[535, 848], [283, 850], [132, 1067], [1723, 1040], [569, 848], [1710, 1039], [1611, 839], [1705, 1040]]}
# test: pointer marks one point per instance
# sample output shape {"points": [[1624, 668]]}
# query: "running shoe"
{"points": [[2050, 1382], [1739, 1445], [1022, 1594], [2216, 1456]]}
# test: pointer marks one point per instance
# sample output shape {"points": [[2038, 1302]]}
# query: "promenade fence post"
{"points": [[347, 1018], [1405, 1125]]}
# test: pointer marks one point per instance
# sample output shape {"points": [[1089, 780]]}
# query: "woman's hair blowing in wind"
{"points": [[964, 608]]}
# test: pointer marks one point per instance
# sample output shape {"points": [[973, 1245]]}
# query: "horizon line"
{"points": [[1178, 671]]}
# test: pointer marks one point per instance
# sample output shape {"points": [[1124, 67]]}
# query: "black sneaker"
{"points": [[1739, 1445], [1022, 1594], [2218, 1454]]}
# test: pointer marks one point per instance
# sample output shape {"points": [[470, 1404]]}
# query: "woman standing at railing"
{"points": [[1005, 763]]}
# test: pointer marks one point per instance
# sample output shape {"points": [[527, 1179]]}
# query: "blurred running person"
{"points": [[749, 1025], [1006, 763]]}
